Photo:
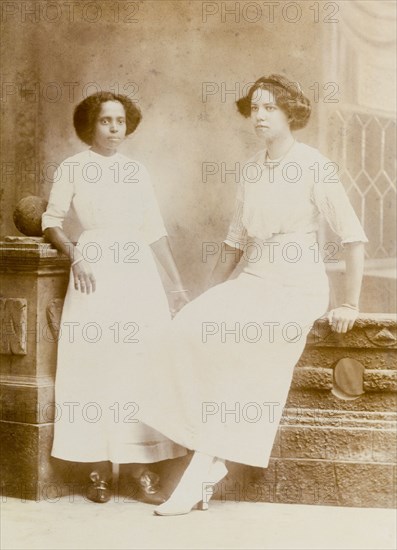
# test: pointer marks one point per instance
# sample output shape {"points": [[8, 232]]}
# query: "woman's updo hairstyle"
{"points": [[288, 96], [87, 112]]}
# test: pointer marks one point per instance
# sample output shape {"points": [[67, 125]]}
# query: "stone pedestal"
{"points": [[34, 279]]}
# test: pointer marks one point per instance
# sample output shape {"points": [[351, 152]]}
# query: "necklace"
{"points": [[276, 162]]}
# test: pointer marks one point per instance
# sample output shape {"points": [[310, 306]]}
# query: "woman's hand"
{"points": [[163, 253], [342, 319], [84, 279], [179, 298]]}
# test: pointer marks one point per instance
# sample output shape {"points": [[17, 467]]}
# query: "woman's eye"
{"points": [[104, 121], [270, 108], [254, 107]]}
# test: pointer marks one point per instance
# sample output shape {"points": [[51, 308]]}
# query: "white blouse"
{"points": [[291, 197], [105, 192]]}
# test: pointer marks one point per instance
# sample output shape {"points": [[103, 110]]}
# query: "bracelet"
{"points": [[77, 261], [176, 291], [350, 306]]}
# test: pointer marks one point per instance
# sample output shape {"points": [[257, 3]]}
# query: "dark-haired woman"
{"points": [[231, 352], [114, 295]]}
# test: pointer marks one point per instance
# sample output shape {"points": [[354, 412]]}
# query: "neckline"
{"points": [[103, 157], [276, 162]]}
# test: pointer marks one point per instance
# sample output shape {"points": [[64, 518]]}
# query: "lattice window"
{"points": [[364, 145]]}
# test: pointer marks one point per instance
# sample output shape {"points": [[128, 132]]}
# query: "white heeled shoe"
{"points": [[193, 493]]}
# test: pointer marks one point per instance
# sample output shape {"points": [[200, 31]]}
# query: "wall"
{"points": [[163, 60]]}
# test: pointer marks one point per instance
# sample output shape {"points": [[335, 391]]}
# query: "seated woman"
{"points": [[224, 367], [114, 295]]}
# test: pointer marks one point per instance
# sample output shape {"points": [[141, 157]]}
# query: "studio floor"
{"points": [[75, 523]]}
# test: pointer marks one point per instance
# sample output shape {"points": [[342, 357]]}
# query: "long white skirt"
{"points": [[100, 354], [223, 367]]}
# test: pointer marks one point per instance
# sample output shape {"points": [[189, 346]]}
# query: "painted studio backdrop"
{"points": [[185, 63]]}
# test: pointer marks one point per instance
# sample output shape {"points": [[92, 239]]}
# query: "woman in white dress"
{"points": [[230, 354], [114, 295]]}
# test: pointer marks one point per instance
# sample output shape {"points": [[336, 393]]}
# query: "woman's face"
{"points": [[110, 128], [269, 121]]}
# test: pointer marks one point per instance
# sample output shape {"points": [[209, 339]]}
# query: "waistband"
{"points": [[295, 236]]}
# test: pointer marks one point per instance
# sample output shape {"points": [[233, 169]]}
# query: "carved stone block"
{"points": [[13, 319], [309, 377], [54, 313]]}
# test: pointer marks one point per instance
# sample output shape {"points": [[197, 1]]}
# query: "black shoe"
{"points": [[149, 490], [99, 490]]}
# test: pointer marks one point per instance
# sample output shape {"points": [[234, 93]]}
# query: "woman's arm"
{"points": [[343, 317], [162, 250], [354, 255], [228, 259], [58, 238], [330, 197], [61, 196], [83, 276]]}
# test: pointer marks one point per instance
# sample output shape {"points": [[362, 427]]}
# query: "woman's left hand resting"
{"points": [[342, 319], [179, 297]]}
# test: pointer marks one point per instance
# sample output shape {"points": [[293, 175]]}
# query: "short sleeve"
{"points": [[153, 224], [60, 199], [237, 236], [332, 201]]}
